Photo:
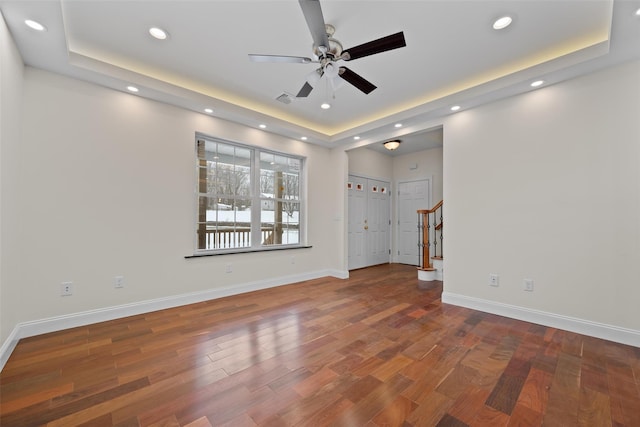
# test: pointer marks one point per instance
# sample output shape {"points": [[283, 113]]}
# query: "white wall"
{"points": [[11, 80], [339, 172], [105, 186], [546, 185], [370, 164]]}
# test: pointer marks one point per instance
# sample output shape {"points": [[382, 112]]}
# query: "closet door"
{"points": [[356, 189], [378, 211], [368, 228]]}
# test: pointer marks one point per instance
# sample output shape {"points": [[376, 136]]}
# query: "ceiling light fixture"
{"points": [[392, 145], [356, 138], [132, 89], [537, 83], [455, 108], [398, 125], [638, 12], [325, 106], [304, 138], [502, 23], [208, 110], [262, 126], [158, 33], [34, 25]]}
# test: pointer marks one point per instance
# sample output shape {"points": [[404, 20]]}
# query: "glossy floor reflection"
{"points": [[378, 349]]}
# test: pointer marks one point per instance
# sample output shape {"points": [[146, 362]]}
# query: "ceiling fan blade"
{"points": [[279, 58], [394, 41], [312, 12], [305, 91], [356, 80]]}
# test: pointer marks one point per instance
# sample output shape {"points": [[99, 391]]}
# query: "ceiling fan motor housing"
{"points": [[333, 51]]}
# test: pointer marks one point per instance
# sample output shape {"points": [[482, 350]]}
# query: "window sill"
{"points": [[245, 251]]}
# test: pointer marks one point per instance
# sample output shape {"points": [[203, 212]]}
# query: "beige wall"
{"points": [[338, 181], [546, 185], [105, 187], [11, 78], [370, 164]]}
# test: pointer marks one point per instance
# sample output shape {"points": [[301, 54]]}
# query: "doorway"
{"points": [[369, 222], [412, 195]]}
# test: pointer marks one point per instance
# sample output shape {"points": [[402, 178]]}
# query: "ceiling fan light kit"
{"points": [[392, 145], [328, 51]]}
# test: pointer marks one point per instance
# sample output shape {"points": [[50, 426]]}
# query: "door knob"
{"points": [[366, 227]]}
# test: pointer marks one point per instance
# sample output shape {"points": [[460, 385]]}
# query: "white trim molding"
{"points": [[573, 324], [74, 320], [8, 346]]}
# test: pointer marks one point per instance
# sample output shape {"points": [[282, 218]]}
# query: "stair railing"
{"points": [[429, 227]]}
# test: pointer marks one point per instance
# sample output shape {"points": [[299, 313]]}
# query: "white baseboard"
{"points": [[573, 324], [74, 320], [338, 274], [8, 346]]}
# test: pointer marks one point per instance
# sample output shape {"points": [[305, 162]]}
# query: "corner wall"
{"points": [[11, 82], [104, 186], [546, 186]]}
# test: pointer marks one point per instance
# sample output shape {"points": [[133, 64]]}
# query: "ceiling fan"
{"points": [[328, 51]]}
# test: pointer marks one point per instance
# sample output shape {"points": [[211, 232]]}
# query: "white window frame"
{"points": [[256, 199]]}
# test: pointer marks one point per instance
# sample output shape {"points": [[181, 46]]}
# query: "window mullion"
{"points": [[256, 225]]}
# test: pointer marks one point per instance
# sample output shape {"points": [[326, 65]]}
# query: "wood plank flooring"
{"points": [[378, 349]]}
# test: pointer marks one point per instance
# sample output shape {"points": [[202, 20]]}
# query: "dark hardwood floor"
{"points": [[374, 350]]}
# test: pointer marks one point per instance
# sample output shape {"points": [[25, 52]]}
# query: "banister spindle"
{"points": [[441, 230], [435, 234]]}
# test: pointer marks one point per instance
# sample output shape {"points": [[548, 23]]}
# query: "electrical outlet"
{"points": [[66, 289], [493, 279], [228, 268], [118, 282], [528, 285]]}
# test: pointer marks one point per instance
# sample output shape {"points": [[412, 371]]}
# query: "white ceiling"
{"points": [[453, 56]]}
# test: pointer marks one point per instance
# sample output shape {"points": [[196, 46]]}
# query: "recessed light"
{"points": [[262, 126], [132, 89], [208, 110], [537, 83], [304, 138], [356, 138], [638, 12], [455, 108], [398, 125], [325, 106], [502, 23], [34, 25], [158, 33]]}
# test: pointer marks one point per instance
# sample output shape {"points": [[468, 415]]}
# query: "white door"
{"points": [[357, 190], [378, 229], [369, 227], [412, 195]]}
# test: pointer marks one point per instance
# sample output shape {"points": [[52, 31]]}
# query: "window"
{"points": [[248, 198]]}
